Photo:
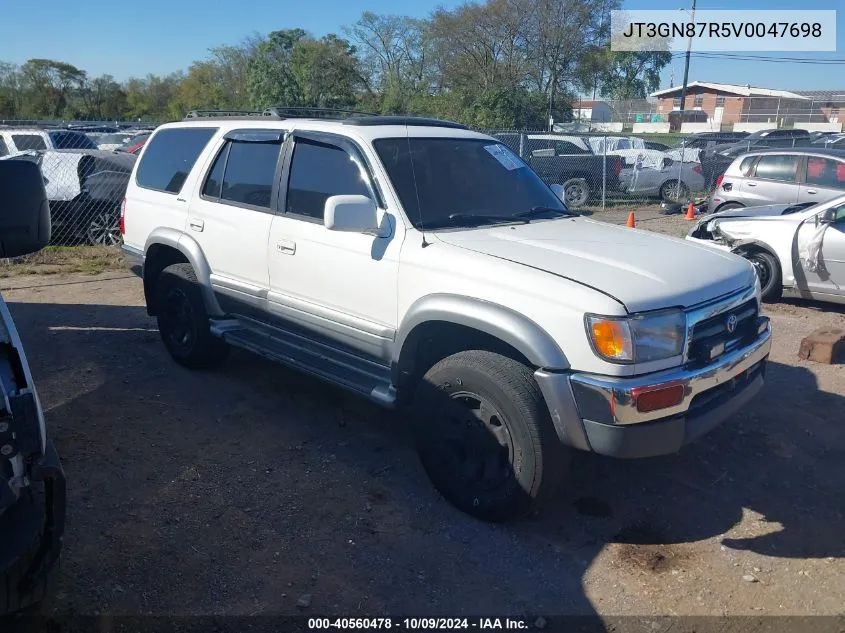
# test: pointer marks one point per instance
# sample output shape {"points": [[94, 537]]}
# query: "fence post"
{"points": [[681, 165], [604, 173]]}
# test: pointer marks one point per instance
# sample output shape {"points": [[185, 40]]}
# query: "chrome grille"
{"points": [[722, 332]]}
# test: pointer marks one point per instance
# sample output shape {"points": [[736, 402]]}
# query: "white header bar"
{"points": [[711, 30]]}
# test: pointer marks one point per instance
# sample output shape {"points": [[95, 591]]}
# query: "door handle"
{"points": [[751, 184], [196, 224], [813, 191], [286, 247]]}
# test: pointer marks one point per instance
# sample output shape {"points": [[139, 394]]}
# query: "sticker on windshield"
{"points": [[506, 158]]}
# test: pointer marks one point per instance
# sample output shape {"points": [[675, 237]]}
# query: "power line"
{"points": [[761, 58]]}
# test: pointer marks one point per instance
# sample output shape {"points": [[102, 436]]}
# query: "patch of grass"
{"points": [[91, 260]]}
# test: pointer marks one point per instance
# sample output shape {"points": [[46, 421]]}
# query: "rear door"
{"points": [[231, 213], [824, 179], [773, 180]]}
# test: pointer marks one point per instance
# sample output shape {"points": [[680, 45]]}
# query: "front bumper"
{"points": [[599, 413], [31, 532]]}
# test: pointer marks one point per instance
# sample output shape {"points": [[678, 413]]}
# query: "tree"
{"points": [[633, 75], [51, 84], [103, 98], [270, 80], [325, 72]]}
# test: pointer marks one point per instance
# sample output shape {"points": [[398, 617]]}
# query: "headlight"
{"points": [[638, 338]]}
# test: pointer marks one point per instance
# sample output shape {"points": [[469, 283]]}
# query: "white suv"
{"points": [[415, 261]]}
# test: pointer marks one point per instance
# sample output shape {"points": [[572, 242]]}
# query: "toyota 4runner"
{"points": [[414, 261]]}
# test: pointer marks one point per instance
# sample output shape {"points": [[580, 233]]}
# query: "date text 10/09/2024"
{"points": [[420, 624]]}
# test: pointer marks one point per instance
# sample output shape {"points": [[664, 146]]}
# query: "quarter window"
{"points": [[317, 172], [170, 157], [783, 168]]}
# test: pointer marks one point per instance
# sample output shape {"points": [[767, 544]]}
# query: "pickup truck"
{"points": [[568, 161], [426, 267]]}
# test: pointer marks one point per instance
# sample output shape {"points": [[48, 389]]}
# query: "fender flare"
{"points": [[192, 251], [503, 323]]}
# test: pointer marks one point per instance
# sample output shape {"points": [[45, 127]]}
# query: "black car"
{"points": [[715, 160]]}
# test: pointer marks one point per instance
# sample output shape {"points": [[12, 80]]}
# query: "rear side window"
{"points": [[170, 157], [71, 140], [243, 173], [28, 141], [783, 168]]}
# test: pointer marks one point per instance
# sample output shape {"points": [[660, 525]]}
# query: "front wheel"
{"points": [[768, 271], [104, 229], [674, 191], [183, 321], [485, 437], [576, 192]]}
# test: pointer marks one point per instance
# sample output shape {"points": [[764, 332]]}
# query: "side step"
{"points": [[354, 373]]}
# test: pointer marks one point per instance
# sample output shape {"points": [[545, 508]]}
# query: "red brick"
{"points": [[825, 345]]}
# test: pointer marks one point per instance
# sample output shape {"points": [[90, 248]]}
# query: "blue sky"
{"points": [[161, 36]]}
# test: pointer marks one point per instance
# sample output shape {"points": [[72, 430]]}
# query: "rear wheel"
{"points": [[674, 191], [485, 438], [768, 271], [104, 229], [576, 192], [183, 321]]}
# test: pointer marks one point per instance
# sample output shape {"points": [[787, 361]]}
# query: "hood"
{"points": [[641, 270]]}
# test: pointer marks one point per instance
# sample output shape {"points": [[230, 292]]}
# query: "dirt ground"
{"points": [[248, 489]]}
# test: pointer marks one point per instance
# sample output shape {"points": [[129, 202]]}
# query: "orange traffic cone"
{"points": [[632, 223], [690, 212]]}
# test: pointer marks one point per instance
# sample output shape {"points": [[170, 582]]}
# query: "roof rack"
{"points": [[304, 112], [403, 120], [231, 114]]}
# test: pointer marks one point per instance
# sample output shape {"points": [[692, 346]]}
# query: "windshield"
{"points": [[71, 140], [476, 181]]}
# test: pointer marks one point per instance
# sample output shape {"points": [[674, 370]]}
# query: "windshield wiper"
{"points": [[473, 219], [539, 211]]}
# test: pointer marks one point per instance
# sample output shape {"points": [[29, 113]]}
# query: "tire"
{"points": [[183, 321], [20, 530], [485, 437], [768, 270], [104, 229], [576, 192], [674, 191]]}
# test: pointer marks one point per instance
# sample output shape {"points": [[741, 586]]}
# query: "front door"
{"points": [[827, 273], [718, 113], [231, 213], [340, 285]]}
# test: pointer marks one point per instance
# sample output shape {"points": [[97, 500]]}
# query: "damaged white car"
{"points": [[798, 250]]}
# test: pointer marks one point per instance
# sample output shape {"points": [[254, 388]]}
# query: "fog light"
{"points": [[655, 398]]}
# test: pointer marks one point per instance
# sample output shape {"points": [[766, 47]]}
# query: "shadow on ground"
{"points": [[247, 489]]}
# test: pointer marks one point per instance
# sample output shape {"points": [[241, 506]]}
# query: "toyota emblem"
{"points": [[731, 324]]}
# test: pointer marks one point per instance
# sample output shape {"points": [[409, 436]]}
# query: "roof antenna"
{"points": [[416, 189]]}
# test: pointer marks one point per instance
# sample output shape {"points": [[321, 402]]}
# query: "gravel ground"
{"points": [[249, 489]]}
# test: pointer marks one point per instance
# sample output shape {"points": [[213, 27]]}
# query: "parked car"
{"points": [[665, 179], [134, 144], [798, 249], [832, 141], [85, 189], [111, 142], [15, 140], [715, 160], [661, 147], [780, 176], [567, 161], [416, 262], [32, 484], [630, 148]]}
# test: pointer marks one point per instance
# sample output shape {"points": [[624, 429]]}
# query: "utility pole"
{"points": [[686, 67]]}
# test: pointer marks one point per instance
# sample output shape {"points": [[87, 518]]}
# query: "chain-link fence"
{"points": [[86, 169]]}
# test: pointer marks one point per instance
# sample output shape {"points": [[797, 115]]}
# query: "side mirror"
{"points": [[24, 210], [352, 214], [558, 191]]}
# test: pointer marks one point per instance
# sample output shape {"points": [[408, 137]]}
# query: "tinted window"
{"points": [[436, 178], [777, 167], [28, 141], [214, 180], [562, 148], [318, 171], [250, 170], [71, 140], [746, 164], [3, 149], [171, 156], [825, 172]]}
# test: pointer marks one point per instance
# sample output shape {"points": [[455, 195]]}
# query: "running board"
{"points": [[349, 371]]}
